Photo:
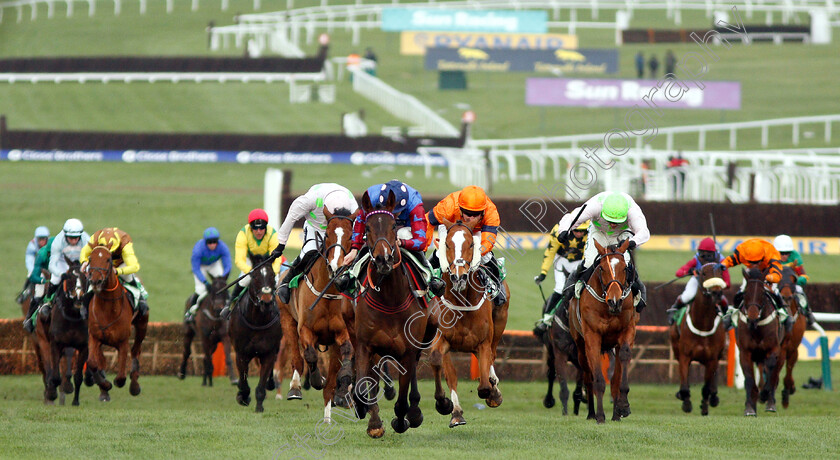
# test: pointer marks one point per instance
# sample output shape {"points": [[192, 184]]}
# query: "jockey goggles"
{"points": [[258, 224], [211, 240], [468, 213]]}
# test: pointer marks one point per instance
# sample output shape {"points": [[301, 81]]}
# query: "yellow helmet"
{"points": [[583, 227]]}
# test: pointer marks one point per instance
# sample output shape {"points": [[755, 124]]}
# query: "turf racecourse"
{"points": [[181, 419]]}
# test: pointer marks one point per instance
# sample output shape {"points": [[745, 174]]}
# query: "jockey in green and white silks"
{"points": [[615, 217], [792, 259]]}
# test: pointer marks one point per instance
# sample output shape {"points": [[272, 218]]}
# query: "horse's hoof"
{"points": [[270, 384], [48, 402], [600, 419], [390, 392], [234, 382], [134, 388], [181, 375], [714, 400], [51, 394], [204, 383], [770, 407], [749, 412], [294, 393], [548, 401], [484, 393], [376, 433], [67, 387], [106, 386], [495, 399], [624, 411], [400, 425], [243, 400], [686, 406], [259, 409], [616, 417], [414, 416], [104, 397], [457, 419], [444, 406], [119, 382], [75, 402]]}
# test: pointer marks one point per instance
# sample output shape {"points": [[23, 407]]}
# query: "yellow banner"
{"points": [[415, 43], [809, 349]]}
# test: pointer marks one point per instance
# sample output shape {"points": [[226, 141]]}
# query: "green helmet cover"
{"points": [[614, 208]]}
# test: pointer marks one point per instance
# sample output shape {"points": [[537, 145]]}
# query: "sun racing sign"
{"points": [[505, 21]]}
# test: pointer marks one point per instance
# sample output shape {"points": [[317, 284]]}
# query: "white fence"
{"points": [[33, 5]]}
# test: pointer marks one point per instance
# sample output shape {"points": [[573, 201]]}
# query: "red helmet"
{"points": [[257, 215], [706, 244]]}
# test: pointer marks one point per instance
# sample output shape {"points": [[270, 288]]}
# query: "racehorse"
{"points": [[604, 318], [791, 341], [40, 339], [320, 313], [110, 319], [467, 321], [700, 337], [759, 337], [68, 333], [389, 321], [561, 348], [256, 332], [212, 329]]}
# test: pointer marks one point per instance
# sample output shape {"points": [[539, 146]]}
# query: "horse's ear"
{"points": [[391, 202], [446, 223], [601, 250], [366, 205], [67, 259], [624, 245], [327, 213], [473, 225]]}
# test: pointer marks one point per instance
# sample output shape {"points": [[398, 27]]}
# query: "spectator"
{"points": [[370, 65], [653, 65], [369, 54], [670, 62], [640, 65], [678, 163]]}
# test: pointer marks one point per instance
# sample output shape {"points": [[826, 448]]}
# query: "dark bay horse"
{"points": [[110, 319], [467, 321], [604, 319], [759, 337], [791, 341], [700, 337], [40, 339], [212, 329], [256, 332], [561, 349], [320, 312], [389, 321], [68, 333]]}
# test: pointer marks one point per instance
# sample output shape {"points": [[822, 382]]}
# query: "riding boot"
{"points": [[300, 265], [45, 309], [805, 308], [22, 294], [639, 289], [28, 323], [548, 313], [142, 307], [189, 316], [672, 312], [237, 291], [436, 285], [569, 291], [494, 278]]}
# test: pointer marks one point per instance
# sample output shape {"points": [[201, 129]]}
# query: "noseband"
{"points": [[391, 247], [625, 290]]}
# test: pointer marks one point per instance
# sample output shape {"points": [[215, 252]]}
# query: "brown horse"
{"points": [[790, 344], [68, 333], [40, 338], [560, 349], [601, 320], [700, 337], [110, 318], [468, 322], [256, 332], [212, 329], [320, 313], [759, 337], [389, 321]]}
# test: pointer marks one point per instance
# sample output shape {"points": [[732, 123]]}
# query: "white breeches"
{"points": [[563, 266], [215, 269]]}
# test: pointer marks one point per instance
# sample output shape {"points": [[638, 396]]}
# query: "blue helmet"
{"points": [[379, 193], [211, 234]]}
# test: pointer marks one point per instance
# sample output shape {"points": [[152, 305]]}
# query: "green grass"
{"points": [[181, 419], [165, 208]]}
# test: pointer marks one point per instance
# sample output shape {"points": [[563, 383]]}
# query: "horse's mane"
{"points": [[788, 275], [342, 212]]}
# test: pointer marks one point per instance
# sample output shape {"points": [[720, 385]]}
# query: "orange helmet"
{"points": [[753, 253], [472, 198]]}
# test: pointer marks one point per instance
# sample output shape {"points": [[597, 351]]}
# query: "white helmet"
{"points": [[73, 228], [783, 243], [338, 199], [42, 232]]}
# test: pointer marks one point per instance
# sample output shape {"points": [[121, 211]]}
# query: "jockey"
{"points": [[257, 238], [615, 217], [121, 247], [759, 254], [411, 234], [565, 257], [68, 243], [310, 206], [210, 257], [36, 279], [473, 207], [792, 259], [42, 234], [706, 253]]}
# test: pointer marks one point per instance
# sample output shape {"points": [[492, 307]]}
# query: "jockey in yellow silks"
{"points": [[125, 262]]}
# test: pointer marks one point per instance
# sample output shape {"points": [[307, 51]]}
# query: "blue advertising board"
{"points": [[444, 20]]}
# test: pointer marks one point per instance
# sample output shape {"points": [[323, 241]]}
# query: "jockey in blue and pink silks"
{"points": [[411, 233]]}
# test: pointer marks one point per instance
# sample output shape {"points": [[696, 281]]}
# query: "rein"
{"points": [[275, 316], [769, 318], [625, 291]]}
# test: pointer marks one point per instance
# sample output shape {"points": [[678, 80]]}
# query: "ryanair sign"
{"points": [[471, 59], [415, 43]]}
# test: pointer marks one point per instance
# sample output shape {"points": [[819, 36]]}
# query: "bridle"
{"points": [[625, 290], [275, 313], [392, 248], [760, 305]]}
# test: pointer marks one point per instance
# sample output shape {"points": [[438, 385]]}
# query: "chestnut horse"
{"points": [[110, 318], [603, 319], [389, 321], [790, 344], [68, 333], [320, 311], [212, 329], [468, 322], [561, 348], [700, 337], [759, 337], [256, 332]]}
